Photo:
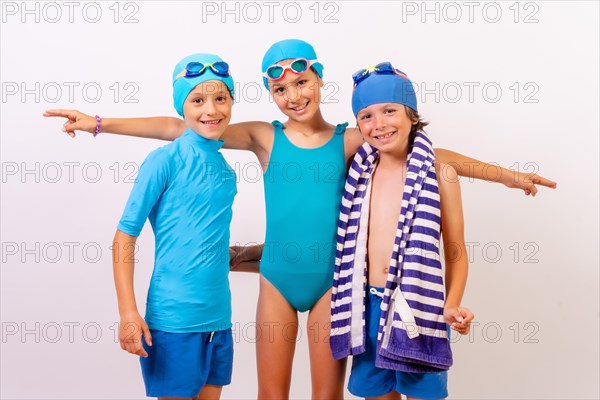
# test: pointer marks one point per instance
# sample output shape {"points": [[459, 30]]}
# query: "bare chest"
{"points": [[385, 205]]}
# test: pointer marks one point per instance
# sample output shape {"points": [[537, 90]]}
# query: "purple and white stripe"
{"points": [[413, 337]]}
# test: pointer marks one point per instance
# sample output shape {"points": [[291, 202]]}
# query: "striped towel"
{"points": [[412, 335]]}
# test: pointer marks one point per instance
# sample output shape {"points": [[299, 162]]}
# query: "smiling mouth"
{"points": [[299, 108], [387, 135], [212, 122]]}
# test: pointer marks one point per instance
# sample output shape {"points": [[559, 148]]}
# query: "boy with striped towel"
{"points": [[390, 308]]}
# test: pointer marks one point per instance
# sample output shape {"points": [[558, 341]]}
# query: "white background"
{"points": [[537, 302]]}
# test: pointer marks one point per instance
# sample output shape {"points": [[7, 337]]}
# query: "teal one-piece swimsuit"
{"points": [[303, 190]]}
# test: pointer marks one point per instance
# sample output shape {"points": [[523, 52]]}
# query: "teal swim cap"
{"points": [[290, 49], [182, 86]]}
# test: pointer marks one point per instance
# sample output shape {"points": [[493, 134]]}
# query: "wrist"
{"points": [[506, 177], [128, 312], [257, 252], [98, 126], [248, 253], [452, 302]]}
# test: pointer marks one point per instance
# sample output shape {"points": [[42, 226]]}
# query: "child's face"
{"points": [[385, 126], [207, 109], [298, 96]]}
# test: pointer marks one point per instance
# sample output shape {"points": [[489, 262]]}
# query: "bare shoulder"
{"points": [[441, 168], [448, 180], [352, 141], [261, 133], [258, 137], [249, 135], [246, 135], [260, 125], [450, 197], [255, 128], [450, 201]]}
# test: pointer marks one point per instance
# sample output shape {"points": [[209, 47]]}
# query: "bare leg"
{"points": [[210, 392], [174, 398], [393, 395], [327, 374], [413, 398], [277, 329]]}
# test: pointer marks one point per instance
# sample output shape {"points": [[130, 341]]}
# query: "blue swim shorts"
{"points": [[366, 380], [180, 364]]}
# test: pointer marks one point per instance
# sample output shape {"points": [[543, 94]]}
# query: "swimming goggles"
{"points": [[298, 66], [195, 69], [381, 68]]}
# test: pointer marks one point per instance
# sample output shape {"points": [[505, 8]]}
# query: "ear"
{"points": [[412, 118], [359, 131]]}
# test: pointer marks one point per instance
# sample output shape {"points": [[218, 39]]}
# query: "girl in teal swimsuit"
{"points": [[299, 253], [304, 162]]}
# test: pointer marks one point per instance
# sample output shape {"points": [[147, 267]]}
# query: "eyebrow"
{"points": [[220, 93]]}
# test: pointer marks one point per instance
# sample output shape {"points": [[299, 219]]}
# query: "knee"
{"points": [[331, 393], [272, 393]]}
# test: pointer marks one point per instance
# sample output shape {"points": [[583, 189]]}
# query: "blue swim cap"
{"points": [[183, 86], [290, 48], [384, 87]]}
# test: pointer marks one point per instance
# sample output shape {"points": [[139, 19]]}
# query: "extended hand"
{"points": [[245, 258], [527, 182], [76, 121]]}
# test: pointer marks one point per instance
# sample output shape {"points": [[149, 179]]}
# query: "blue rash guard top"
{"points": [[186, 190]]}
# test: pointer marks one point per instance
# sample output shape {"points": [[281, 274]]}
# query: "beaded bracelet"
{"points": [[98, 120]]}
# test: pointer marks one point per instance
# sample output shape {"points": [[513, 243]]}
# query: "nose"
{"points": [[210, 107], [292, 93], [380, 122]]}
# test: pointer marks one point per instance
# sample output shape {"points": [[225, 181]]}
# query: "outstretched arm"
{"points": [[472, 168], [240, 136], [165, 128]]}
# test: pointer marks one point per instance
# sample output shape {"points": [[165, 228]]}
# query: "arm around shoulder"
{"points": [[251, 135], [245, 258]]}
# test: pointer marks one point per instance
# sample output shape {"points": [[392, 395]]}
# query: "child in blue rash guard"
{"points": [[186, 190], [393, 314]]}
